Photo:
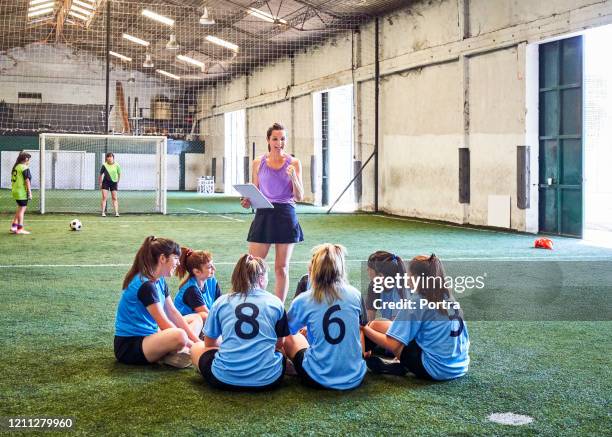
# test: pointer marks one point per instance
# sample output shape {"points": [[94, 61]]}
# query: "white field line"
{"points": [[198, 210], [230, 263], [111, 220]]}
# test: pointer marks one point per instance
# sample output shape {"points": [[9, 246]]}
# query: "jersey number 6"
{"points": [[248, 319], [328, 320]]}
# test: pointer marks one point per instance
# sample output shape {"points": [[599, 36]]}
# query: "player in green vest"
{"points": [[110, 173], [22, 190]]}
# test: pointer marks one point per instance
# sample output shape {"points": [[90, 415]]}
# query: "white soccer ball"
{"points": [[76, 225]]}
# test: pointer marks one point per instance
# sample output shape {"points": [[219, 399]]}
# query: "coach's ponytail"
{"points": [[327, 271], [189, 260], [147, 257], [247, 274]]}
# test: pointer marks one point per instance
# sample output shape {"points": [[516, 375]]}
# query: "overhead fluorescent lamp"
{"points": [[81, 10], [83, 4], [172, 43], [120, 56], [222, 42], [79, 16], [142, 42], [40, 12], [165, 73], [191, 61], [265, 16], [37, 2], [153, 16], [46, 5]]}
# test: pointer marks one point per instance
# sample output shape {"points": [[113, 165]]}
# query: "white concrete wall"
{"points": [[66, 76], [195, 166], [455, 73]]}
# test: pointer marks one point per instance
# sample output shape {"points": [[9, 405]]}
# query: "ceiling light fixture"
{"points": [[83, 4], [40, 12], [205, 19], [142, 42], [42, 6], [222, 42], [37, 2], [172, 43], [165, 73], [191, 61], [265, 16], [81, 10], [160, 18], [120, 56], [148, 63]]}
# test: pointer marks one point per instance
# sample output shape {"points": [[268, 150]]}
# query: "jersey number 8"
{"points": [[249, 319]]}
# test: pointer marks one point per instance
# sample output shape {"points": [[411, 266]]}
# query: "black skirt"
{"points": [[277, 225]]}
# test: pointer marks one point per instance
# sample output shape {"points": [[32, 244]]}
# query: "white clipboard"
{"points": [[251, 192]]}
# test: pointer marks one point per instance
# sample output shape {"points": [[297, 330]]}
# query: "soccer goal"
{"points": [[69, 167]]}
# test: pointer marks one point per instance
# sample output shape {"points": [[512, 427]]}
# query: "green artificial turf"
{"points": [[57, 317]]}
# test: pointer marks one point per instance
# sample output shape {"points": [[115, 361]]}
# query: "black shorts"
{"points": [[128, 350], [276, 225], [205, 367], [22, 202], [109, 185], [304, 376], [412, 359]]}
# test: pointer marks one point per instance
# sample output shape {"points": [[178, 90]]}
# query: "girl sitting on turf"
{"points": [[333, 311], [430, 342], [148, 327], [199, 288], [252, 323], [382, 265]]}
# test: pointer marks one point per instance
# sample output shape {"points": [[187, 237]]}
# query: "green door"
{"points": [[561, 149]]}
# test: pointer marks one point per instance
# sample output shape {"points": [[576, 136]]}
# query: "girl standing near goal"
{"points": [[110, 173], [148, 327], [22, 190]]}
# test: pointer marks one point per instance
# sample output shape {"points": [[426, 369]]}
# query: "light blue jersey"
{"points": [[250, 328], [191, 296], [334, 358], [133, 319], [443, 338]]}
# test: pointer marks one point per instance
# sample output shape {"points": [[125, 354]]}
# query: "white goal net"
{"points": [[67, 167]]}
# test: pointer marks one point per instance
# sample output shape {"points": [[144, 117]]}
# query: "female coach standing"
{"points": [[279, 177]]}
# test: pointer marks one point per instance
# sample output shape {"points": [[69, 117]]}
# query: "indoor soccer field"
{"points": [[475, 135], [59, 304]]}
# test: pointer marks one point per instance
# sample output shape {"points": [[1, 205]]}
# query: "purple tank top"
{"points": [[275, 184]]}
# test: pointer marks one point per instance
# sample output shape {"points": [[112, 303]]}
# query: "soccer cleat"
{"points": [[103, 214], [180, 359], [13, 229], [116, 214], [22, 232], [379, 366]]}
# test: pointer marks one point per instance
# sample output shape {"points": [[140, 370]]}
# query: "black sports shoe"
{"points": [[379, 366]]}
